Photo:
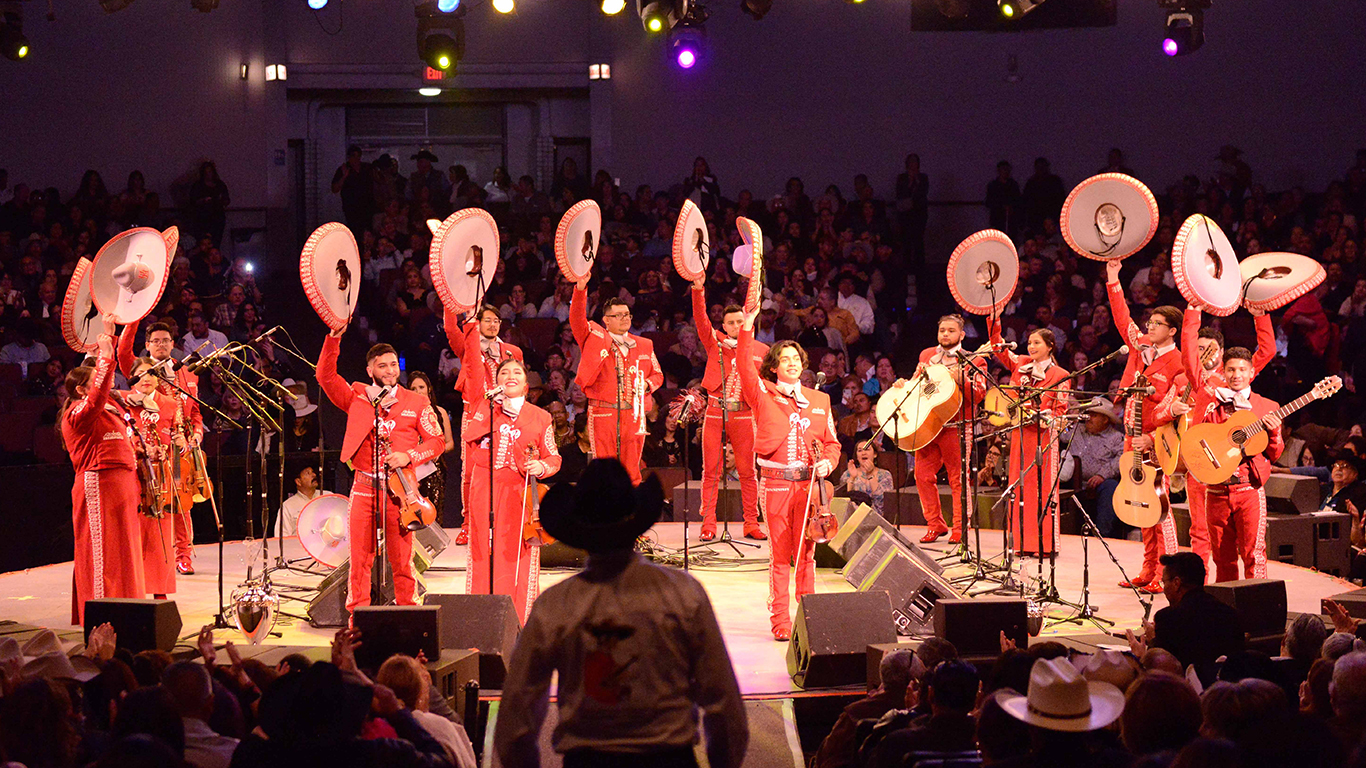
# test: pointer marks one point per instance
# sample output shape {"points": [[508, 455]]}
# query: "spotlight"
{"points": [[440, 36], [13, 43], [445, 6], [429, 92], [613, 7], [317, 5], [757, 9], [687, 43], [661, 15], [113, 6], [504, 6], [1185, 33], [1014, 9]]}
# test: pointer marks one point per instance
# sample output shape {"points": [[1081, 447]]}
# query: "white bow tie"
{"points": [[729, 343], [942, 354], [512, 405], [1240, 399], [794, 391]]}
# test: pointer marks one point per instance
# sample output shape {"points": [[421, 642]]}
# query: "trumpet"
{"points": [[638, 399]]}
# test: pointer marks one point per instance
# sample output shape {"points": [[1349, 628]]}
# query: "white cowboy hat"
{"points": [[1060, 699], [1108, 666], [1103, 405]]}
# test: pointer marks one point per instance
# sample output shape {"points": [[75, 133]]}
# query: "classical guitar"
{"points": [[1212, 451], [923, 405], [1140, 498], [1167, 439]]}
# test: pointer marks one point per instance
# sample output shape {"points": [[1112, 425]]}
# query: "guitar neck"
{"points": [[1285, 410]]}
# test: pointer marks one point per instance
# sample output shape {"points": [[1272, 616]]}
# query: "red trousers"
{"points": [[1024, 508], [1237, 529], [740, 433], [158, 553], [516, 564], [108, 553], [184, 536], [603, 424], [465, 469], [1158, 540], [784, 502], [398, 545], [1199, 530], [944, 451]]}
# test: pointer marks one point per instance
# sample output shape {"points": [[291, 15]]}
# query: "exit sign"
{"points": [[431, 74]]}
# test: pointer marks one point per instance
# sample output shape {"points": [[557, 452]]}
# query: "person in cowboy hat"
{"points": [[1066, 715], [636, 645], [1093, 454]]}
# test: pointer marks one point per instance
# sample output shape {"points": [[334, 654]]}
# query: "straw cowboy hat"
{"points": [[1060, 699]]}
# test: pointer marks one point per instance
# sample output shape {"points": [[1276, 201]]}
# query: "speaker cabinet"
{"points": [[486, 622], [328, 606], [1260, 603], [975, 626], [389, 629], [886, 562], [831, 636], [141, 625]]}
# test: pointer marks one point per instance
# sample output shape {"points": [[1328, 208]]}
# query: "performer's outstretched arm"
{"points": [[1266, 341], [705, 333], [334, 386], [1190, 345], [578, 314], [455, 334], [1119, 308], [125, 349]]}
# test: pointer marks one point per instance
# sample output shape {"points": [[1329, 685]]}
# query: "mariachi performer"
{"points": [[946, 450], [181, 386], [1035, 434], [524, 448], [105, 496], [795, 444], [737, 422], [1153, 354], [409, 433], [481, 351], [153, 413]]}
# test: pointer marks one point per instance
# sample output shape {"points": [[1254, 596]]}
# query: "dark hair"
{"points": [[769, 369], [379, 350], [1161, 712], [154, 327], [297, 662], [957, 318], [613, 302], [1186, 566], [76, 377], [36, 724], [504, 364], [1304, 637], [1169, 313], [732, 308], [1212, 333], [1048, 338], [413, 375], [1237, 353], [954, 685], [151, 711], [486, 309]]}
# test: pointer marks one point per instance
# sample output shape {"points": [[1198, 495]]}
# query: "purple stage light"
{"points": [[1170, 47], [687, 58]]}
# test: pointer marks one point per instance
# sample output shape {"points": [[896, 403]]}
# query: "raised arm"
{"points": [[750, 388], [578, 315], [1190, 345], [1266, 341], [455, 334], [1119, 308], [101, 381], [334, 386], [1006, 357], [700, 321], [125, 349]]}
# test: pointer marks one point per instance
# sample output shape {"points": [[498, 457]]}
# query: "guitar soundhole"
{"points": [[1136, 475], [1238, 437]]}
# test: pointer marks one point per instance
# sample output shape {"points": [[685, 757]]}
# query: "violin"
{"points": [[820, 524], [532, 493], [414, 511]]}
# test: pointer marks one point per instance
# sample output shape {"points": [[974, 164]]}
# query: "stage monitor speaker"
{"points": [[433, 539], [1260, 603], [974, 626], [861, 523], [389, 629], [885, 562], [561, 555], [141, 625], [1292, 494], [328, 606], [831, 636], [1354, 602], [486, 622]]}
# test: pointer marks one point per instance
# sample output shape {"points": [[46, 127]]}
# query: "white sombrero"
{"points": [[464, 258], [1273, 280], [1205, 266], [752, 251], [576, 240], [323, 529], [982, 272], [81, 326], [329, 268], [129, 273], [1109, 216], [691, 245]]}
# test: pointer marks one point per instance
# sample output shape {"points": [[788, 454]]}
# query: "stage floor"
{"points": [[738, 588]]}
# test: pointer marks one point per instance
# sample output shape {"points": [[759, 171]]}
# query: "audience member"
{"points": [[1196, 627], [840, 748]]}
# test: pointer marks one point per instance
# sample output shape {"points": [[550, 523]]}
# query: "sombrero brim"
{"points": [[569, 516], [691, 262], [1129, 195], [1107, 704], [1273, 280], [1194, 271]]}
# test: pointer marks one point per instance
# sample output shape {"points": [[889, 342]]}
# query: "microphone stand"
{"points": [[725, 537], [379, 504]]}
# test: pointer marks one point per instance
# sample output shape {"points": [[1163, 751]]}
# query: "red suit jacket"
{"points": [[1253, 469], [713, 340], [1161, 372], [183, 379], [93, 430], [977, 384], [1055, 401], [412, 424], [597, 374], [783, 429], [1190, 360], [533, 428], [476, 373]]}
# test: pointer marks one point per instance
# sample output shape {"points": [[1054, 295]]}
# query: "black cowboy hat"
{"points": [[425, 154], [602, 512], [1352, 460]]}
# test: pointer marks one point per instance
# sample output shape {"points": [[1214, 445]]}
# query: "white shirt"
{"points": [[287, 523], [452, 737], [205, 748], [215, 341], [553, 307], [13, 353], [860, 309]]}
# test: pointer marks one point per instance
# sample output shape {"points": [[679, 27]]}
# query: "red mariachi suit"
{"points": [[412, 426], [477, 374], [1024, 441], [1190, 358], [738, 421], [946, 449], [597, 376], [184, 382], [1235, 511], [104, 498], [784, 432], [517, 564], [158, 533], [1161, 372]]}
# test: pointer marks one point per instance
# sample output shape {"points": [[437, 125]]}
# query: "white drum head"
{"points": [[129, 274], [1273, 280], [1205, 266], [1110, 216], [576, 240], [692, 245], [329, 267], [982, 272], [464, 258]]}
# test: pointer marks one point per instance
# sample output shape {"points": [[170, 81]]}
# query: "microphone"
{"points": [[1010, 345], [383, 393], [264, 335], [1123, 349], [820, 379], [495, 392]]}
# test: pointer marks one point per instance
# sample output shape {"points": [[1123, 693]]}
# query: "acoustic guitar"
{"points": [[1167, 439], [1212, 451], [1140, 498], [922, 406]]}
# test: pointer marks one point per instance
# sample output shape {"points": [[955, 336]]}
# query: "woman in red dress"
{"points": [[524, 446], [1038, 370], [154, 415], [104, 498]]}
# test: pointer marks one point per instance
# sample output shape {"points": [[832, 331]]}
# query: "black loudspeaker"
{"points": [[433, 540], [860, 524], [561, 555], [486, 622], [389, 629], [1292, 494], [975, 626], [1354, 602], [886, 562], [1260, 603], [328, 607], [831, 636], [141, 625]]}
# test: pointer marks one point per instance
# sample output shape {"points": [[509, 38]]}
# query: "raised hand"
{"points": [[1112, 268]]}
